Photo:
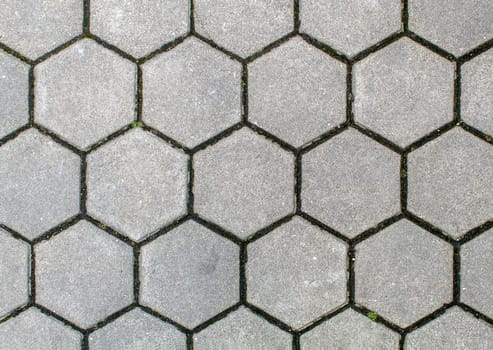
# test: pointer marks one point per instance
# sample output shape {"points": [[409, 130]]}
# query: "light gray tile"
{"points": [[36, 27], [40, 183], [84, 274], [243, 27], [455, 329], [297, 273], [350, 26], [454, 25], [192, 92], [14, 85], [34, 330], [297, 92], [477, 92], [84, 93], [244, 182], [403, 92], [449, 182], [139, 27], [137, 330], [403, 273], [476, 273], [137, 183], [350, 183], [14, 273], [190, 274], [350, 330], [242, 330]]}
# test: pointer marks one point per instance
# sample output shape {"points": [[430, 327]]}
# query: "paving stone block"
{"points": [[243, 27], [192, 92], [190, 274], [35, 330], [14, 273], [477, 92], [137, 330], [14, 84], [84, 93], [476, 273], [350, 26], [84, 274], [455, 329], [350, 330], [242, 330], [36, 27], [350, 183], [137, 183], [40, 183], [403, 273], [454, 25], [297, 92], [403, 92], [244, 182], [297, 273], [139, 27], [449, 182]]}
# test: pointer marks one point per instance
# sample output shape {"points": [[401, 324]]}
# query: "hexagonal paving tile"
{"points": [[351, 183], [456, 329], [39, 172], [477, 273], [14, 84], [403, 273], [449, 182], [297, 92], [350, 330], [137, 330], [244, 182], [84, 274], [455, 25], [477, 92], [139, 27], [243, 26], [350, 26], [36, 27], [242, 330], [137, 183], [403, 91], [190, 274], [192, 92], [297, 272], [34, 330], [14, 273], [84, 93]]}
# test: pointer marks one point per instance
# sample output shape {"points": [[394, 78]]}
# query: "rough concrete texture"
{"points": [[190, 274], [297, 272], [403, 273], [350, 183], [84, 93], [40, 185], [139, 27], [350, 330], [297, 92], [137, 183], [243, 27], [403, 92], [84, 274], [244, 182], [137, 330], [242, 330], [192, 92], [450, 182]]}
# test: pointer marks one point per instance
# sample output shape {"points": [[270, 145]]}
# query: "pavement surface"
{"points": [[246, 175]]}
